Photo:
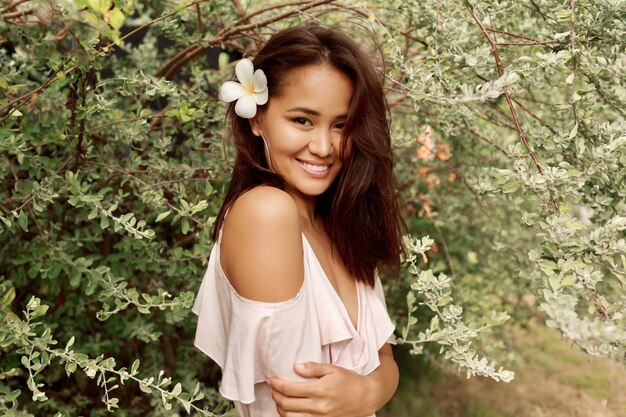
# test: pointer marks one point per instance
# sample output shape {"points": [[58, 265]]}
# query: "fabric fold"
{"points": [[344, 345], [252, 341]]}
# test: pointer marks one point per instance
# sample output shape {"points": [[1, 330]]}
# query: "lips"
{"points": [[315, 169]]}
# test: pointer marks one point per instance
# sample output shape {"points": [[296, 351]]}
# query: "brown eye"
{"points": [[302, 121], [340, 125]]}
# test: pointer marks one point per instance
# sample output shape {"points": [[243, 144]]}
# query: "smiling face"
{"points": [[303, 127]]}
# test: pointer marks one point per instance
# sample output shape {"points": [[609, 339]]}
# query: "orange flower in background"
{"points": [[443, 151], [425, 150], [428, 148]]}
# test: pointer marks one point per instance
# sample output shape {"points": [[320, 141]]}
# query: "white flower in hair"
{"points": [[250, 91]]}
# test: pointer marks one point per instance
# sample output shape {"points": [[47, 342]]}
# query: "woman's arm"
{"points": [[337, 391]]}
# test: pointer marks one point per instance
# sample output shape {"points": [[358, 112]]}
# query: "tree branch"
{"points": [[225, 34], [507, 97]]}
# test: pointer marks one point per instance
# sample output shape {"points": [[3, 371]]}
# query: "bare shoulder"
{"points": [[261, 249], [264, 204]]}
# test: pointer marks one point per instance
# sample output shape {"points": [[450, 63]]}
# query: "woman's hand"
{"points": [[337, 392]]}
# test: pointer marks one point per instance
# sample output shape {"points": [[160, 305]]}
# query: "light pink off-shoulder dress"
{"points": [[252, 341]]}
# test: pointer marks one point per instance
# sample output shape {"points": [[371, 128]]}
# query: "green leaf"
{"points": [[93, 213], [511, 186], [22, 220], [11, 396], [580, 145], [70, 368], [182, 5], [568, 281], [223, 60], [555, 282], [100, 6], [177, 389], [573, 132], [134, 367], [186, 405], [104, 221], [116, 18], [145, 388], [7, 298], [70, 343]]}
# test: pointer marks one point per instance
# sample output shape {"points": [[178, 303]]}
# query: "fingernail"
{"points": [[269, 382], [300, 367]]}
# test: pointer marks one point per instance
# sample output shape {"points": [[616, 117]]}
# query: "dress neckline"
{"points": [[336, 294]]}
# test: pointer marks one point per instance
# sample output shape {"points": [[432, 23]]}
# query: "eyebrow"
{"points": [[313, 112]]}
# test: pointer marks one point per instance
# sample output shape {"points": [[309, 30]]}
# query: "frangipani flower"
{"points": [[250, 91]]}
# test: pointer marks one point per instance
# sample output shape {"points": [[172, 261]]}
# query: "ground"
{"points": [[552, 379]]}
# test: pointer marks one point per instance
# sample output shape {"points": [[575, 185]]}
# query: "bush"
{"points": [[509, 133]]}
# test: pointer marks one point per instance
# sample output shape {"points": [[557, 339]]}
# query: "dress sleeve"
{"points": [[250, 340]]}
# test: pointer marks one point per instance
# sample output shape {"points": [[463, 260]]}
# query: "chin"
{"points": [[311, 190]]}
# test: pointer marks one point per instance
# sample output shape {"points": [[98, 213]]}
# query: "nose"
{"points": [[321, 143]]}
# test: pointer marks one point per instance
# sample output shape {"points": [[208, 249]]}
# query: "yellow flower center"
{"points": [[249, 87]]}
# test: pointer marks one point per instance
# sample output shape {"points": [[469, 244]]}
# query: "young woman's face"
{"points": [[303, 127]]}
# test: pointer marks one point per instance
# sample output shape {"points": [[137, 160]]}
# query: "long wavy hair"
{"points": [[360, 210]]}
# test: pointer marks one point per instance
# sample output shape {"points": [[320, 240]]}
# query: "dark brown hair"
{"points": [[360, 210]]}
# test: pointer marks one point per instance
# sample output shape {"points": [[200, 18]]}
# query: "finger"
{"points": [[284, 413], [292, 406], [313, 369], [295, 389]]}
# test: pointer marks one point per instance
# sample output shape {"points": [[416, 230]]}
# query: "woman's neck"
{"points": [[306, 209]]}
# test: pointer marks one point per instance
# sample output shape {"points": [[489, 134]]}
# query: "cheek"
{"points": [[289, 139]]}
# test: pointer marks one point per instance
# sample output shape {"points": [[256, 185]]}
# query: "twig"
{"points": [[513, 35], [526, 43], [574, 60], [21, 13], [12, 6], [239, 8], [37, 90], [486, 140], [199, 13], [603, 95], [534, 116], [601, 307], [226, 33], [490, 119], [191, 48], [142, 182], [150, 23], [507, 97], [538, 10]]}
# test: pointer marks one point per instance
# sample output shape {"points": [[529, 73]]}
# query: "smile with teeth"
{"points": [[316, 168], [317, 171]]}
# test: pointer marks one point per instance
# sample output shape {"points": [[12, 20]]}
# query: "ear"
{"points": [[255, 125]]}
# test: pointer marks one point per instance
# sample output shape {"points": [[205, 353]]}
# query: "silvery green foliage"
{"points": [[37, 352], [114, 163], [535, 121], [446, 327]]}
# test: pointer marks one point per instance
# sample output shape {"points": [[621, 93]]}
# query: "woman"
{"points": [[291, 306]]}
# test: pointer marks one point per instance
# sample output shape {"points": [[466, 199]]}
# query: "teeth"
{"points": [[316, 168]]}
